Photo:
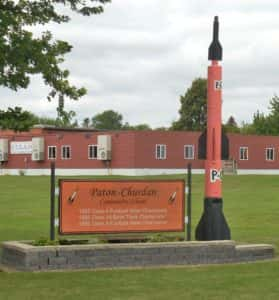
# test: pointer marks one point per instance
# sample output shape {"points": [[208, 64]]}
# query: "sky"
{"points": [[139, 57]]}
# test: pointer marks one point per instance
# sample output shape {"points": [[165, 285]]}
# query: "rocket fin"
{"points": [[225, 153]]}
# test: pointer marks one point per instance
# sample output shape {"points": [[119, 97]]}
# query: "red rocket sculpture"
{"points": [[213, 225]]}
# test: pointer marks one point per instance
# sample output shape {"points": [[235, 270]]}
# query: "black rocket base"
{"points": [[213, 225]]}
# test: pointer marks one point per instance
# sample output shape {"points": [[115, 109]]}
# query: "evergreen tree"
{"points": [[273, 118], [231, 125]]}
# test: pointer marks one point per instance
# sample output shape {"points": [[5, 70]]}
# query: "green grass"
{"points": [[251, 207], [246, 281]]}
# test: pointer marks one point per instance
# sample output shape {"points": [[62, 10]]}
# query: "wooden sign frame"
{"points": [[121, 206]]}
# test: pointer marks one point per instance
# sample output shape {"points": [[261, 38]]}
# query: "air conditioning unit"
{"points": [[38, 148], [104, 147], [4, 149]]}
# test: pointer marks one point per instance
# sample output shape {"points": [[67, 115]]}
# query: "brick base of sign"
{"points": [[25, 257]]}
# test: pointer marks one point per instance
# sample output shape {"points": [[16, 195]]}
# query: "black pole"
{"points": [[52, 201], [189, 200]]}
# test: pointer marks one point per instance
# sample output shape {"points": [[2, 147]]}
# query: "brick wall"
{"points": [[29, 258]]}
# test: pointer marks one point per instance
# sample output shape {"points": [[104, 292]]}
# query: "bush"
{"points": [[21, 172], [44, 242]]}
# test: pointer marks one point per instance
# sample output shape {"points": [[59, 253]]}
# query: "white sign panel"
{"points": [[215, 175], [21, 147], [218, 84], [56, 222]]}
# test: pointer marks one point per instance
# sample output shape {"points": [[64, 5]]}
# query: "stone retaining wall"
{"points": [[23, 256]]}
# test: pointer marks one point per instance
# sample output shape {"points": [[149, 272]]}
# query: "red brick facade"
{"points": [[257, 147], [137, 150]]}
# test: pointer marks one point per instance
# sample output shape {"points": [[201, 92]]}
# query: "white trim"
{"points": [[193, 151], [88, 149], [160, 157], [243, 147], [70, 152], [273, 153], [51, 158], [144, 172], [128, 172], [258, 172], [78, 172]]}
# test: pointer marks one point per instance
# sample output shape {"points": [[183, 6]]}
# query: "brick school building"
{"points": [[90, 152]]}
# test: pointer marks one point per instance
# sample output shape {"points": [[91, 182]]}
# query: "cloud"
{"points": [[139, 57]]}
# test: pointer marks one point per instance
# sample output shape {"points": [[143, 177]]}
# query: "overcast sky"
{"points": [[138, 57]]}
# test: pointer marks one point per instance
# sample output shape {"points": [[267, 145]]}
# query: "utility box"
{"points": [[104, 147], [4, 149], [38, 148]]}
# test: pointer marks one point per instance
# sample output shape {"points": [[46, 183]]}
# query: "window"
{"points": [[66, 152], [51, 152], [243, 153], [161, 152], [189, 151], [269, 154], [92, 151]]}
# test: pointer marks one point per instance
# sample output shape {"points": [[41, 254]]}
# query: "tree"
{"points": [[193, 107], [161, 128], [141, 127], [137, 127], [231, 125], [45, 121], [23, 55], [112, 120], [22, 120], [86, 123], [261, 124], [231, 122], [247, 128], [273, 118], [65, 119], [108, 119], [264, 124], [17, 119]]}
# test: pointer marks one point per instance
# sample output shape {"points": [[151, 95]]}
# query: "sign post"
{"points": [[189, 200], [52, 201]]}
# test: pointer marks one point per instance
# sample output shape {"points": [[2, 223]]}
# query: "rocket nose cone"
{"points": [[215, 48]]}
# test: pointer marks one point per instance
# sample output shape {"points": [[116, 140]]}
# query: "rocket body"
{"points": [[213, 163], [213, 225]]}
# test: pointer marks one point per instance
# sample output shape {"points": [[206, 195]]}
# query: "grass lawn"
{"points": [[251, 206], [243, 281]]}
